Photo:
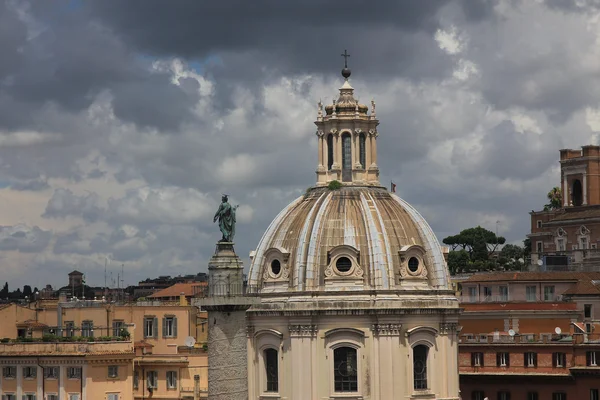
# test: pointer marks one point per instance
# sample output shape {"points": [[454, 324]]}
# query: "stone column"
{"points": [[226, 304], [40, 382], [338, 150], [302, 340], [62, 374], [320, 150], [386, 344], [374, 149], [83, 381], [19, 381]]}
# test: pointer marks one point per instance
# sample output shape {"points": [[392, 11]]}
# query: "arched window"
{"points": [[271, 370], [346, 157], [362, 144], [577, 193], [345, 369], [329, 151], [420, 366]]}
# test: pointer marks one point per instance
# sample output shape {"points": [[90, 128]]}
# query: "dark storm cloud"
{"points": [[65, 203], [153, 101], [289, 37]]}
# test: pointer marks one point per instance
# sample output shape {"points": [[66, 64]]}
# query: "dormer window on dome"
{"points": [[347, 136]]}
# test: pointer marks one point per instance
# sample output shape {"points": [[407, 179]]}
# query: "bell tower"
{"points": [[347, 136]]}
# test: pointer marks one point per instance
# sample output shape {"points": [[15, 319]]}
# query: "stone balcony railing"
{"points": [[530, 338], [57, 348], [225, 290]]}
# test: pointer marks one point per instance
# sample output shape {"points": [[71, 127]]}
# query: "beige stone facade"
{"points": [[355, 295]]}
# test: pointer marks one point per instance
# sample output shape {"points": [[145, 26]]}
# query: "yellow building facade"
{"points": [[88, 350]]}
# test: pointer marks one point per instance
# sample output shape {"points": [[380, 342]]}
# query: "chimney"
{"points": [[182, 300]]}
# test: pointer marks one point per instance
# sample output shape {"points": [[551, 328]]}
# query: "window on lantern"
{"points": [[345, 369], [346, 157], [420, 366], [362, 151], [271, 370]]}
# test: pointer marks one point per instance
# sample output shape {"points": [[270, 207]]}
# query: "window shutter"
{"points": [[174, 326], [164, 327], [535, 359], [497, 359], [149, 379], [525, 360], [507, 395], [472, 359], [155, 328], [554, 359], [507, 360], [564, 359]]}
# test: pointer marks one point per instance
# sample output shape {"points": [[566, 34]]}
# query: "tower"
{"points": [[347, 138]]}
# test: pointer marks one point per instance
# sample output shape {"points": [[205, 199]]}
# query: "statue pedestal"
{"points": [[226, 303]]}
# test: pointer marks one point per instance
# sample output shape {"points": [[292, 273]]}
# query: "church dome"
{"points": [[352, 238]]}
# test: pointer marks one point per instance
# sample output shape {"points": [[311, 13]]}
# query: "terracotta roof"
{"points": [[173, 291], [583, 287], [532, 276], [32, 324], [577, 214]]}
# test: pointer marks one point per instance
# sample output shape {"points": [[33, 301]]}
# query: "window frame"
{"points": [[559, 396], [113, 372], [70, 328], [51, 376], [154, 380], [477, 359], [559, 360], [477, 395], [267, 383], [169, 326], [153, 324], [530, 359], [533, 396], [587, 311], [594, 394], [531, 295], [503, 395], [592, 358], [547, 292], [74, 373], [118, 325], [503, 359], [32, 372], [171, 376], [87, 328], [52, 396], [427, 358], [335, 368], [12, 372]]}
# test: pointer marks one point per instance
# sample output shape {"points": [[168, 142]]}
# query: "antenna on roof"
{"points": [[190, 341], [557, 330], [512, 332]]}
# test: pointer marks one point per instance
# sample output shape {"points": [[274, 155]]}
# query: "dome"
{"points": [[353, 238]]}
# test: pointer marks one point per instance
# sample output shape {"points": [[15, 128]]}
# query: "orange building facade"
{"points": [[530, 336]]}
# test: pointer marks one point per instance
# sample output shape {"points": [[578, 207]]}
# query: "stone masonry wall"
{"points": [[227, 357]]}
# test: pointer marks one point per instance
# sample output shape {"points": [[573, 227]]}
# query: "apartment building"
{"points": [[530, 336]]}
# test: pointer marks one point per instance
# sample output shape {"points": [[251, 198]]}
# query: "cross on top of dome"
{"points": [[346, 71]]}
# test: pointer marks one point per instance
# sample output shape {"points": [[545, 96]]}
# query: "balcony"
{"points": [[584, 260], [225, 290], [529, 338], [58, 348]]}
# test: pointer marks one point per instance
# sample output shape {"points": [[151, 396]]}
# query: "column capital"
{"points": [[386, 329], [303, 330]]}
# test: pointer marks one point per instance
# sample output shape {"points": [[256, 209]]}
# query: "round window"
{"points": [[413, 264], [275, 267], [343, 264]]}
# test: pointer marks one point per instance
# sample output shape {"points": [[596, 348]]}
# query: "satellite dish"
{"points": [[190, 341], [540, 262], [511, 332], [558, 330]]}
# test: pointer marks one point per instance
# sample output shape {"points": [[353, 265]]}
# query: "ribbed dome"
{"points": [[354, 238]]}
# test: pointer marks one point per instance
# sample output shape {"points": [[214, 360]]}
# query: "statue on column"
{"points": [[226, 217]]}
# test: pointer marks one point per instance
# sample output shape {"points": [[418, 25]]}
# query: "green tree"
{"points": [[511, 257], [458, 261], [27, 291], [554, 199], [478, 243]]}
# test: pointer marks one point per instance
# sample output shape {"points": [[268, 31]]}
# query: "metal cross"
{"points": [[345, 55]]}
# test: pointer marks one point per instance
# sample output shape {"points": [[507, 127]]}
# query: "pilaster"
{"points": [[302, 341], [19, 381], [386, 338], [40, 382], [62, 374]]}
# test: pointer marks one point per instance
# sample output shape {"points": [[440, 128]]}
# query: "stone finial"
{"points": [[373, 108], [320, 109]]}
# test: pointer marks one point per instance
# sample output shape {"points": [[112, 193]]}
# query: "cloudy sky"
{"points": [[122, 122]]}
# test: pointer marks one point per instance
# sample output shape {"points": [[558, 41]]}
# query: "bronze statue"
{"points": [[226, 216]]}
